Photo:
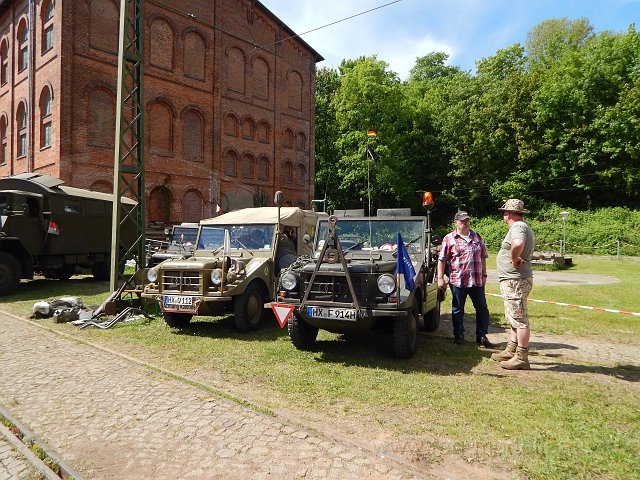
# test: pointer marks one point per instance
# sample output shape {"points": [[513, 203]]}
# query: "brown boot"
{"points": [[520, 361], [506, 354]]}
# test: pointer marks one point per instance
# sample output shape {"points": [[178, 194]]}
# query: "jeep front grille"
{"points": [[177, 281], [330, 288]]}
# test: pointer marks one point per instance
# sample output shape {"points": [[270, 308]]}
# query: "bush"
{"points": [[590, 232]]}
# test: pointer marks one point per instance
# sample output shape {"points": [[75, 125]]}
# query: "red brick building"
{"points": [[229, 101]]}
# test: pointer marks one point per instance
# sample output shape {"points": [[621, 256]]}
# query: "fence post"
{"points": [[618, 248]]}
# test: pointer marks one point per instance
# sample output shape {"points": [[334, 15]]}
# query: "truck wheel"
{"points": [[62, 273], [177, 320], [405, 333], [432, 317], [102, 271], [248, 308], [303, 336], [9, 273]]}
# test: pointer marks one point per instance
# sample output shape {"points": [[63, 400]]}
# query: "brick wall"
{"points": [[215, 98]]}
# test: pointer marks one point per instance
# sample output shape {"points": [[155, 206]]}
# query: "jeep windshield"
{"points": [[184, 235], [375, 234], [250, 237]]}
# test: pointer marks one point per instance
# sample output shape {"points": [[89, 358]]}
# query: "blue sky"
{"points": [[467, 30]]}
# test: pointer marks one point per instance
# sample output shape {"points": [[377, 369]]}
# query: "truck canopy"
{"points": [[47, 185]]}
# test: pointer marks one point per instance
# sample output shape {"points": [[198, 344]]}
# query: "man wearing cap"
{"points": [[516, 280], [466, 255]]}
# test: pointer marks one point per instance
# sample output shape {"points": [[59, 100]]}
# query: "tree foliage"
{"points": [[556, 121]]}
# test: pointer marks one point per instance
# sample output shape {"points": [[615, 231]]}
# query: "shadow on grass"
{"points": [[40, 288], [629, 373], [222, 327]]}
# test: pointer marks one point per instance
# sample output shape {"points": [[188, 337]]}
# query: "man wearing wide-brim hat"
{"points": [[516, 281]]}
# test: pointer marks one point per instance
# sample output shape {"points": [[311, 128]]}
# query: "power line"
{"points": [[328, 25]]}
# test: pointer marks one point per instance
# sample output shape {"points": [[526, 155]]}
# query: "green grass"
{"points": [[574, 420]]}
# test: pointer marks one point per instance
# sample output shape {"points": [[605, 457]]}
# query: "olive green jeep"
{"points": [[359, 280]]}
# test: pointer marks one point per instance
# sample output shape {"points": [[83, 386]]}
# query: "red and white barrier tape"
{"points": [[611, 310]]}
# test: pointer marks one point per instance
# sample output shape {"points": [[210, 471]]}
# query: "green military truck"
{"points": [[52, 229], [353, 282]]}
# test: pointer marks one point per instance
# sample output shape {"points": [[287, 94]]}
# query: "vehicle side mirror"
{"points": [[279, 198], [436, 240], [306, 238]]}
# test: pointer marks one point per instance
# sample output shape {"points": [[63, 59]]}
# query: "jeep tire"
{"points": [[9, 273], [176, 319], [432, 317], [303, 336], [405, 333], [248, 308]]}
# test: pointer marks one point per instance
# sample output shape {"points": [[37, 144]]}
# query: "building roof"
{"points": [[318, 57], [5, 4]]}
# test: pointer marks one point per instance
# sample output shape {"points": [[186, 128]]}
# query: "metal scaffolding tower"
{"points": [[128, 172]]}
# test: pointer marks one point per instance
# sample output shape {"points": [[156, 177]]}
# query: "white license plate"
{"points": [[347, 314], [179, 303]]}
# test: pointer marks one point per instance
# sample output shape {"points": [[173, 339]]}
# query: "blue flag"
{"points": [[405, 267]]}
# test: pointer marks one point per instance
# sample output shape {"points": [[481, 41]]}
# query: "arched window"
{"points": [[288, 172], [300, 142], [260, 79], [21, 121], [46, 13], [159, 205], [301, 174], [4, 62], [231, 125], [235, 70], [294, 89], [247, 166], [104, 15], [287, 139], [45, 118], [263, 168], [195, 52], [262, 132], [161, 45], [193, 135], [3, 140], [230, 162], [23, 45], [102, 121], [160, 128], [247, 128], [192, 207]]}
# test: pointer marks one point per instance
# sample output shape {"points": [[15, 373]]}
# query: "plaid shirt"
{"points": [[464, 258]]}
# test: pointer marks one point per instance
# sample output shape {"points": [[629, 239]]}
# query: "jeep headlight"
{"points": [[289, 281], [386, 283], [216, 276], [152, 275]]}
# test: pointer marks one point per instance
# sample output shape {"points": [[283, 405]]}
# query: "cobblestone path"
{"points": [[109, 418]]}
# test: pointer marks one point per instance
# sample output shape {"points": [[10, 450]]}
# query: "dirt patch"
{"points": [[542, 277]]}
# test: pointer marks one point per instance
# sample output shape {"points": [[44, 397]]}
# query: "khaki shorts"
{"points": [[514, 294]]}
